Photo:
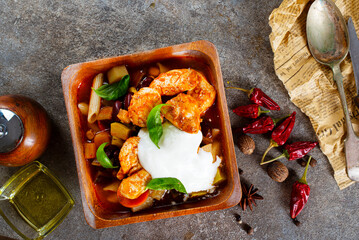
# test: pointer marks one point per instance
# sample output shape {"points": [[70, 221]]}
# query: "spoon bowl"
{"points": [[328, 41]]}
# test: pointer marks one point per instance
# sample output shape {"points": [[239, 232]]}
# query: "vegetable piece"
{"points": [[162, 68], [157, 194], [300, 194], [112, 187], [295, 151], [101, 137], [127, 100], [94, 127], [216, 150], [112, 198], [115, 74], [220, 177], [146, 204], [215, 132], [83, 107], [166, 184], [281, 134], [123, 116], [90, 150], [90, 134], [132, 90], [103, 125], [257, 96], [154, 124], [105, 113], [207, 148], [103, 158], [198, 194], [130, 203], [118, 142], [96, 163], [119, 130], [145, 82], [154, 71], [249, 111], [114, 90]]}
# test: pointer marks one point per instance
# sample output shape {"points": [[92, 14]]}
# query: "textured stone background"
{"points": [[39, 38]]}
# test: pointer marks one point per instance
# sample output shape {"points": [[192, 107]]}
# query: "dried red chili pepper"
{"points": [[249, 111], [262, 125], [257, 96], [300, 194], [280, 134], [295, 150]]}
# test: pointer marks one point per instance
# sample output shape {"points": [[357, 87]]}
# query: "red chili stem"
{"points": [[274, 159], [277, 120], [242, 89], [272, 144], [304, 177], [260, 111]]}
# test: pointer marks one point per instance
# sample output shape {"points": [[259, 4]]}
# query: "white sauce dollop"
{"points": [[178, 158]]}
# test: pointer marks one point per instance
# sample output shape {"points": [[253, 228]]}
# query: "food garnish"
{"points": [[245, 226], [166, 184], [262, 125], [294, 151], [249, 111], [130, 203], [257, 96], [280, 134], [249, 195], [115, 90], [246, 144], [154, 124], [300, 194], [278, 171], [102, 157]]}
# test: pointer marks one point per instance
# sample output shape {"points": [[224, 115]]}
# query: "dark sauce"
{"points": [[101, 177]]}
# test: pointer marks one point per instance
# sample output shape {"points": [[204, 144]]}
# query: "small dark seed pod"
{"points": [[246, 144], [296, 222], [313, 162], [248, 229], [302, 162], [278, 171]]}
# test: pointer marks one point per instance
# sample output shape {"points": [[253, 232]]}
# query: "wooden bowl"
{"points": [[74, 75]]}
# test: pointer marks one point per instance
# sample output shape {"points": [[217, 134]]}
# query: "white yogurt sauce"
{"points": [[178, 158]]}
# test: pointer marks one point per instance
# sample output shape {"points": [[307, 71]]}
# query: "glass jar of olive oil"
{"points": [[34, 202]]}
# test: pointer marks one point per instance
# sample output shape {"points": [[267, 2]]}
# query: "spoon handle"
{"points": [[352, 141], [338, 78]]}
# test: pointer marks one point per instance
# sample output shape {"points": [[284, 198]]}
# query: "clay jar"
{"points": [[28, 131]]}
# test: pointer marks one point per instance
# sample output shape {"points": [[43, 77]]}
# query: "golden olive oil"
{"points": [[39, 200]]}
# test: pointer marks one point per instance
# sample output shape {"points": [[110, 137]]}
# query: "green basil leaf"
{"points": [[154, 124], [114, 90], [103, 158], [166, 184]]}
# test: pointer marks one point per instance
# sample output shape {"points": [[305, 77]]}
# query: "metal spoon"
{"points": [[328, 42]]}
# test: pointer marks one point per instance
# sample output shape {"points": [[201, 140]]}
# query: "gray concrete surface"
{"points": [[39, 38]]}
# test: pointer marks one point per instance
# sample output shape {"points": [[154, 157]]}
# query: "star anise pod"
{"points": [[249, 195]]}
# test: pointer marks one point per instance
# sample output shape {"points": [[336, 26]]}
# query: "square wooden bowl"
{"points": [[201, 51]]}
